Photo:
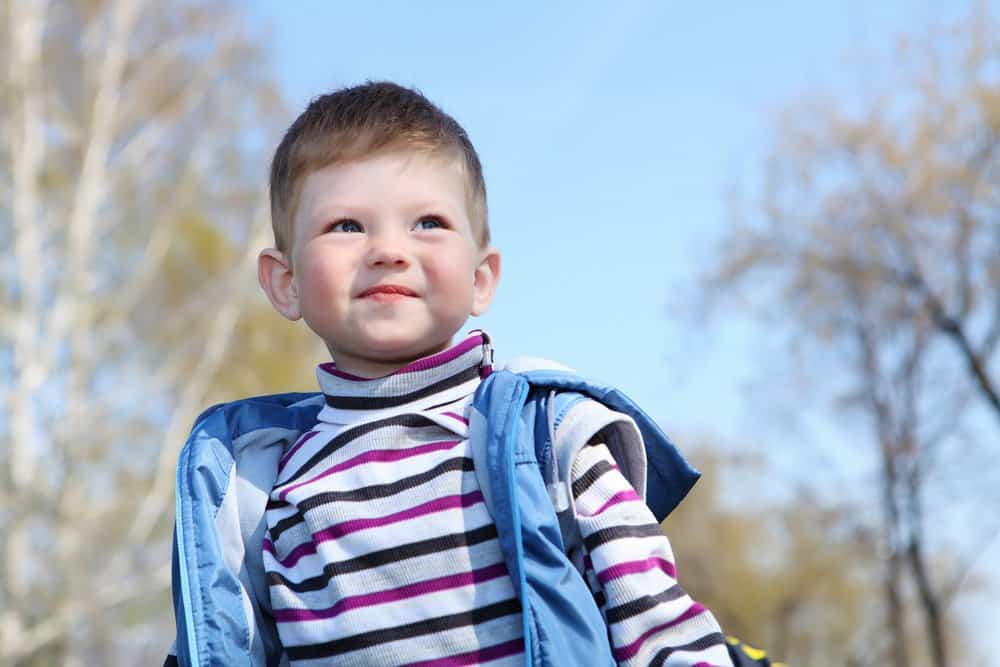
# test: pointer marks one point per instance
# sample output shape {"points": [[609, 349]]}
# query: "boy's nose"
{"points": [[387, 252]]}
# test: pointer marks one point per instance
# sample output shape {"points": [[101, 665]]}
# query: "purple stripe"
{"points": [[476, 657], [438, 359], [456, 416], [621, 497], [635, 567], [375, 455], [441, 358], [629, 650], [354, 525], [332, 369], [393, 595], [295, 448]]}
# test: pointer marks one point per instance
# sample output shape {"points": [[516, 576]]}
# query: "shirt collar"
{"points": [[439, 386]]}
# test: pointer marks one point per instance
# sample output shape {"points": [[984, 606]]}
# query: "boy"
{"points": [[371, 528]]}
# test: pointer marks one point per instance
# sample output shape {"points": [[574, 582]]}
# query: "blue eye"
{"points": [[431, 222], [346, 226]]}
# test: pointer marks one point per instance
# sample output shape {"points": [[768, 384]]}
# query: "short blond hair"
{"points": [[356, 122]]}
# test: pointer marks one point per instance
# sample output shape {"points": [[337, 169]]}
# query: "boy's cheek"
{"points": [[320, 275], [320, 296]]}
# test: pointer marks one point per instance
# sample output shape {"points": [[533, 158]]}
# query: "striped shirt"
{"points": [[629, 565], [380, 549]]}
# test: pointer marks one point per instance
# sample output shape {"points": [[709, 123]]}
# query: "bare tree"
{"points": [[129, 176], [792, 572], [877, 237]]}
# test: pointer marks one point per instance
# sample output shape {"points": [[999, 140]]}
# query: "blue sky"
{"points": [[609, 133]]}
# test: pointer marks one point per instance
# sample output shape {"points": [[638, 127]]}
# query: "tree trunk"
{"points": [[883, 422], [930, 603], [955, 331], [896, 610]]}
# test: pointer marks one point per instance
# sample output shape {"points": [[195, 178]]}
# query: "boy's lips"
{"points": [[386, 291]]}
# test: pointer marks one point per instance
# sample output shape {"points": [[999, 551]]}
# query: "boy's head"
{"points": [[358, 122], [379, 215]]}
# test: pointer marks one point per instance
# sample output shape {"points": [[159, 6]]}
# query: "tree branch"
{"points": [[72, 308], [70, 616], [150, 136], [955, 331], [27, 154], [195, 388]]}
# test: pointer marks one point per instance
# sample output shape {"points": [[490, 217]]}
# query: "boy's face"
{"points": [[384, 264]]}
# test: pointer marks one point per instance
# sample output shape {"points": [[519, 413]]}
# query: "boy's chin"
{"points": [[395, 344]]}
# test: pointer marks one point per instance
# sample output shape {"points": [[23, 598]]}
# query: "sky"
{"points": [[609, 133]]}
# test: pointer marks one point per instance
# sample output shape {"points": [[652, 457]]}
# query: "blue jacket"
{"points": [[525, 429]]}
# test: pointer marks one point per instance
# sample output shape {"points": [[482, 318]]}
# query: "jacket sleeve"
{"points": [[629, 565]]}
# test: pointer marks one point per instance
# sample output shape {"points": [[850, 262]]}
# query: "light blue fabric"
{"points": [[218, 610], [210, 598], [522, 413]]}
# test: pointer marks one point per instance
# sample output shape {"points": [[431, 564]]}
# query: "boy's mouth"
{"points": [[386, 292]]}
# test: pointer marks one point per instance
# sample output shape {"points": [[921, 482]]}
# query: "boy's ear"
{"points": [[485, 281], [274, 272]]}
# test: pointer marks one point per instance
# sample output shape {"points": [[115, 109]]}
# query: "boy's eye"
{"points": [[350, 226], [431, 222]]}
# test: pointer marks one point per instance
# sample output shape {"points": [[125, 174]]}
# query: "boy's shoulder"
{"points": [[524, 364], [567, 410], [232, 419], [262, 405]]}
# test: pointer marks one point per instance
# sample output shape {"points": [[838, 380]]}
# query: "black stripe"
{"points": [[369, 403], [409, 420], [408, 631], [594, 540], [385, 557], [585, 480], [368, 492], [705, 642], [644, 603], [438, 406]]}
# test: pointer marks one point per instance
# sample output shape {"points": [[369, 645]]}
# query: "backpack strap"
{"points": [[557, 410], [575, 422], [668, 476]]}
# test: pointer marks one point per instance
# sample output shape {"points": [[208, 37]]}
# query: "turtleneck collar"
{"points": [[439, 386]]}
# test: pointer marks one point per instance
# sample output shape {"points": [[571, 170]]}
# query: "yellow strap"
{"points": [[753, 653]]}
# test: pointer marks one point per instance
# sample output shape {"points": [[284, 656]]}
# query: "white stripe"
{"points": [[401, 612], [330, 514], [411, 570], [377, 539]]}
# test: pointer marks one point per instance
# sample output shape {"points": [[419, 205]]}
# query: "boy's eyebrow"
{"points": [[328, 210], [431, 205]]}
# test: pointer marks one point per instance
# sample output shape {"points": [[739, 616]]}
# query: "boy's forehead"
{"points": [[430, 175]]}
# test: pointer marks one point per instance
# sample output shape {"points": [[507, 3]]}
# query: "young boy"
{"points": [[367, 526]]}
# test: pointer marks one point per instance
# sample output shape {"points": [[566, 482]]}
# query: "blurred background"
{"points": [[775, 225]]}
